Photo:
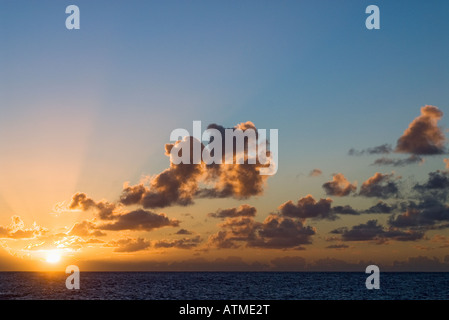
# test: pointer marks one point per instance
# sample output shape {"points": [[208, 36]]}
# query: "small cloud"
{"points": [[382, 149], [339, 186], [347, 209], [85, 229], [380, 186], [381, 207], [315, 173], [140, 220], [413, 159], [242, 211], [185, 243], [374, 231], [183, 232], [308, 207]]}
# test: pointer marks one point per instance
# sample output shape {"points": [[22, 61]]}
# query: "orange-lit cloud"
{"points": [[380, 186], [17, 230], [423, 136], [339, 186], [85, 228]]}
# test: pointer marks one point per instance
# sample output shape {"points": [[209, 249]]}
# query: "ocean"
{"points": [[224, 286]]}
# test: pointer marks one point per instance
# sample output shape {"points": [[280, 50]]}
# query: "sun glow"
{"points": [[53, 257]]}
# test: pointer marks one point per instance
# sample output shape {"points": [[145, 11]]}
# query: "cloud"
{"points": [[382, 149], [380, 186], [275, 232], [346, 209], [185, 243], [437, 180], [222, 240], [85, 229], [381, 207], [337, 246], [286, 263], [435, 188], [183, 232], [242, 211], [339, 186], [315, 173], [399, 162], [179, 184], [129, 245], [105, 210], [17, 230], [446, 161], [373, 231], [441, 240], [423, 136], [280, 233], [428, 212], [308, 207], [140, 220]]}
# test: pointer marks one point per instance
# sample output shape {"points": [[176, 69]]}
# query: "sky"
{"points": [[86, 117]]}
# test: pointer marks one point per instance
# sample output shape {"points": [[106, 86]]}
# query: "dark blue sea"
{"points": [[224, 286]]}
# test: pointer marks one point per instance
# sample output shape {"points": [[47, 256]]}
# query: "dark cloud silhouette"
{"points": [[382, 149], [105, 210], [185, 243], [315, 173], [339, 186], [132, 194], [429, 212], [436, 187], [437, 180], [183, 232], [380, 186], [423, 136], [140, 220], [242, 211], [308, 207], [280, 233], [373, 231], [346, 209], [399, 162], [381, 207], [276, 232], [222, 240]]}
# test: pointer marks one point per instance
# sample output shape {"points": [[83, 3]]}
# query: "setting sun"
{"points": [[53, 257]]}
